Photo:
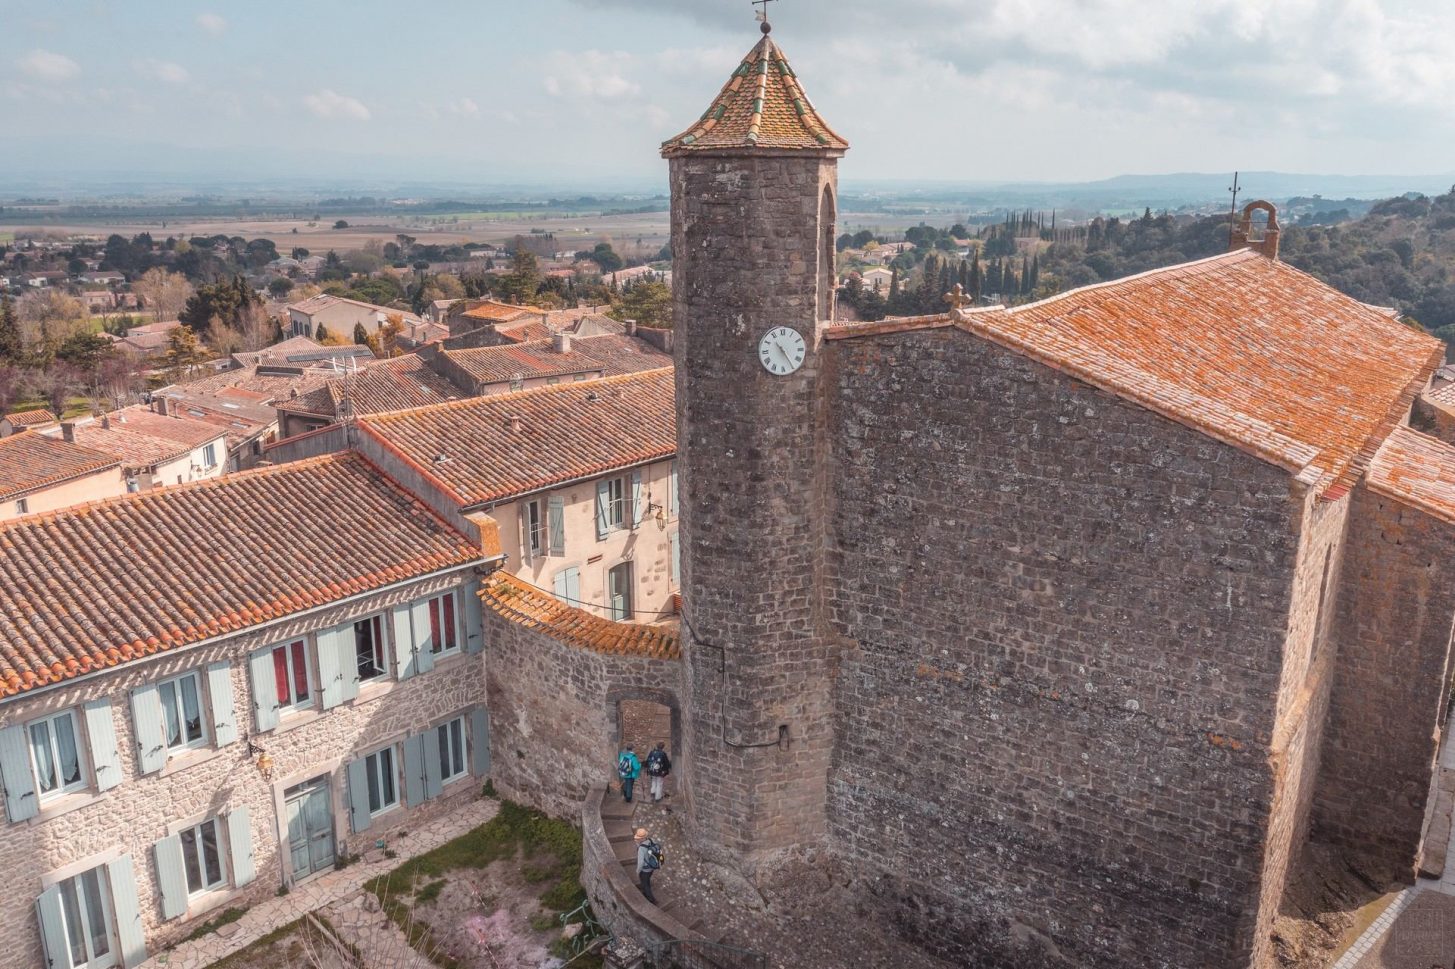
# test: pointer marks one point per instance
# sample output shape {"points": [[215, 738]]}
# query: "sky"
{"points": [[582, 92]]}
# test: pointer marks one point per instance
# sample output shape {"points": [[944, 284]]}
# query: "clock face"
{"points": [[781, 350]]}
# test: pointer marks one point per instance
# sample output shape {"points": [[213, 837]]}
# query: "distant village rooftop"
{"points": [[29, 461]]}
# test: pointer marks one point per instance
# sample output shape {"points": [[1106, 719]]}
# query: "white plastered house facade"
{"points": [[136, 800]]}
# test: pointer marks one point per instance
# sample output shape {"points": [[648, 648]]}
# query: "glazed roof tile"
{"points": [[568, 432], [1241, 347], [1417, 469], [97, 585], [515, 600], [31, 461], [31, 418], [762, 106], [607, 355], [397, 384]]}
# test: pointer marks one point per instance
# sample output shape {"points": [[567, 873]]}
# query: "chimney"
{"points": [[68, 431], [631, 327], [561, 342], [106, 422], [516, 424], [1243, 231], [163, 406]]}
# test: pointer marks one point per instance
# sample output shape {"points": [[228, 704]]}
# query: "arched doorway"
{"points": [[643, 719]]}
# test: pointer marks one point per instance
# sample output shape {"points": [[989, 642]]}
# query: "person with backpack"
{"points": [[649, 861], [628, 768], [659, 765]]}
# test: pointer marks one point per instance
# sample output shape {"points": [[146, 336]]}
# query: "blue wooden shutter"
{"points": [[433, 769], [358, 795], [224, 713], [414, 770], [637, 505], [330, 674], [348, 659], [171, 876], [20, 798], [480, 742], [101, 738], [673, 488], [240, 846], [128, 914], [573, 585], [560, 586], [474, 618], [603, 510], [265, 689], [53, 928], [676, 561], [146, 723], [419, 619], [556, 518], [404, 664]]}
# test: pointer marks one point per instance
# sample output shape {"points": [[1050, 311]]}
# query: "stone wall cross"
{"points": [[957, 298]]}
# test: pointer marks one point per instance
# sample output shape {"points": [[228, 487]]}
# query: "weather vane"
{"points": [[763, 14]]}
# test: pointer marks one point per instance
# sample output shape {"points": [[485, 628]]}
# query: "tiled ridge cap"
{"points": [[517, 601], [418, 468]]}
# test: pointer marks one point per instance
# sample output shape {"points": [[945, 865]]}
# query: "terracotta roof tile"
{"points": [[608, 355], [271, 382], [99, 584], [31, 461], [567, 432], [518, 602], [31, 418], [397, 384], [1241, 347], [142, 438], [1417, 469], [497, 312], [761, 106]]}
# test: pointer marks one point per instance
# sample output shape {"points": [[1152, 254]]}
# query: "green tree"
{"points": [[606, 257], [85, 351], [277, 331], [646, 301], [361, 335], [184, 352], [11, 346], [226, 303], [321, 334]]}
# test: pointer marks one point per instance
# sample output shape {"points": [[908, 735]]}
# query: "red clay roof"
{"points": [[1417, 469], [30, 418], [31, 461], [515, 600], [142, 438], [607, 355], [568, 432], [1241, 347], [100, 584], [497, 312], [395, 384], [761, 106]]}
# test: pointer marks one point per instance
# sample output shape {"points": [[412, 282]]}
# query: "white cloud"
{"points": [[167, 71], [47, 65], [465, 108], [328, 103], [213, 23], [590, 75]]}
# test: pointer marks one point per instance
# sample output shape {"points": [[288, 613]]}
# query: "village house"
{"points": [[41, 473], [249, 421], [158, 448], [398, 384], [147, 340], [877, 279], [26, 420], [339, 315], [560, 359]]}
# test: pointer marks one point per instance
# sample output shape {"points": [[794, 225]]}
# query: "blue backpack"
{"points": [[624, 766]]}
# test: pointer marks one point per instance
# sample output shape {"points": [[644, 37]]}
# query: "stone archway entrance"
{"points": [[645, 720]]}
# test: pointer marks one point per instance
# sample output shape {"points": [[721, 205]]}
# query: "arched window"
{"points": [[827, 277]]}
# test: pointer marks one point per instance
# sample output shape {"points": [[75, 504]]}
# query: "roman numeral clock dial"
{"points": [[781, 350]]}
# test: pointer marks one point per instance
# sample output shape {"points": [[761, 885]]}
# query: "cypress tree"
{"points": [[10, 345], [977, 278]]}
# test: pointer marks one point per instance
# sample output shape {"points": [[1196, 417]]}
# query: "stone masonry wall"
{"points": [[554, 718], [133, 816], [1391, 682], [1070, 615], [747, 241]]}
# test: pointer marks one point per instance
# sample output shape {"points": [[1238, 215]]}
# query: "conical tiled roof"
{"points": [[762, 106]]}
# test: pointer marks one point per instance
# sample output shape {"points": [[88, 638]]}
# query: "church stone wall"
{"points": [[1393, 629], [1069, 617], [553, 712]]}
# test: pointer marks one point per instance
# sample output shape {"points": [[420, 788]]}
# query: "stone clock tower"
{"points": [[754, 193]]}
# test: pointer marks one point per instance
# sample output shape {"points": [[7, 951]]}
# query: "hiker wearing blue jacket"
{"points": [[628, 768]]}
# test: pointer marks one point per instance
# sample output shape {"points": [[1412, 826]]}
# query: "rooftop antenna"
{"points": [[763, 14], [1233, 214]]}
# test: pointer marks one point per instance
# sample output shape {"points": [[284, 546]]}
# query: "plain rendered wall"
{"points": [[648, 547], [1069, 617], [1391, 685], [189, 467], [92, 487], [134, 815]]}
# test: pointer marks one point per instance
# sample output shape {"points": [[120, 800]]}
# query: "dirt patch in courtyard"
{"points": [[1324, 909], [296, 945]]}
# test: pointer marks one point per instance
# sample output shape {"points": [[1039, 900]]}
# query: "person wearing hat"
{"points": [[649, 862], [628, 768]]}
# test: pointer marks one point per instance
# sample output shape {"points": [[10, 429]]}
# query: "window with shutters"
{"points": [[382, 774], [618, 503], [182, 717], [291, 675], [369, 649], [202, 857], [619, 592], [568, 585], [55, 755], [537, 538], [444, 631], [87, 914], [450, 739]]}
